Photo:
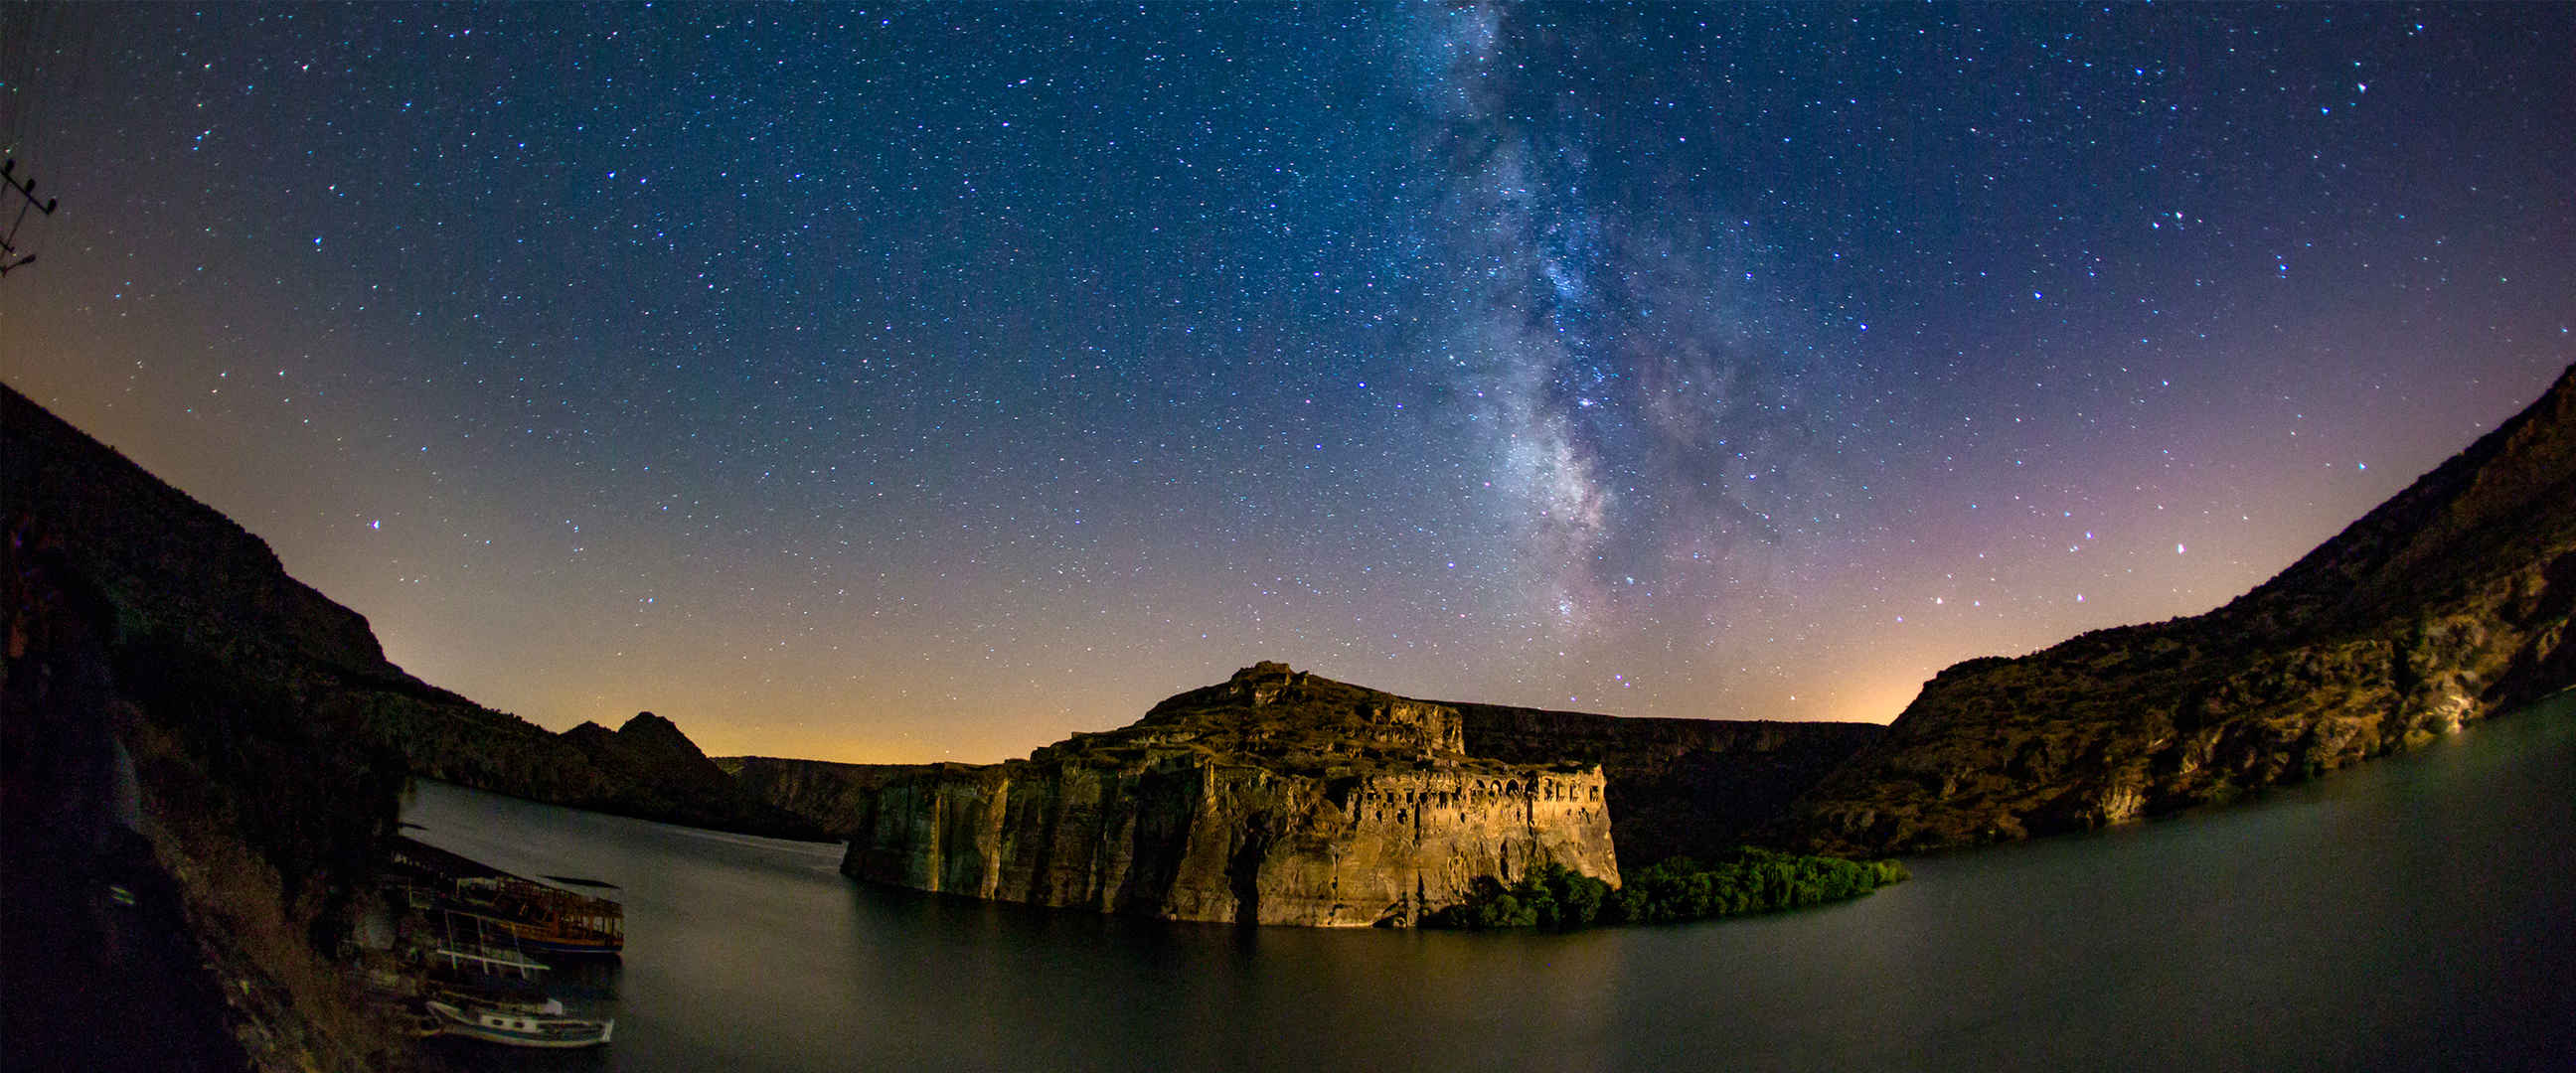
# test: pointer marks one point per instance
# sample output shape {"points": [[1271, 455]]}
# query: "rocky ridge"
{"points": [[184, 726], [1276, 797], [654, 771], [2441, 606], [182, 576], [1674, 787]]}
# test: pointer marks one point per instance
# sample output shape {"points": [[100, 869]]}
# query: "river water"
{"points": [[2418, 912]]}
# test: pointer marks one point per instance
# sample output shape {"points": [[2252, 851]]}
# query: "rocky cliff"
{"points": [[2445, 604], [1675, 787], [1276, 797], [171, 565], [822, 792], [182, 577], [189, 801]]}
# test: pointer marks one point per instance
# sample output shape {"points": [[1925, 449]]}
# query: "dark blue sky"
{"points": [[906, 381]]}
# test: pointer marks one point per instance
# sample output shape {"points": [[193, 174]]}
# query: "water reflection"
{"points": [[2410, 913]]}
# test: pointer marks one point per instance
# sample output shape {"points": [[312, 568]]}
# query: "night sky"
{"points": [[916, 382]]}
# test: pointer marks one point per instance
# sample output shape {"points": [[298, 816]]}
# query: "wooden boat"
{"points": [[545, 1027], [558, 915], [547, 918], [481, 986]]}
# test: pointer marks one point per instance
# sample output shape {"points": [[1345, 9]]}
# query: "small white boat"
{"points": [[545, 1027]]}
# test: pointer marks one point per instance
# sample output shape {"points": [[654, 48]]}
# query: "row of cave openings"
{"points": [[1478, 791]]}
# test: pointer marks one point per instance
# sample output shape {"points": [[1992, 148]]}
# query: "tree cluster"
{"points": [[1752, 881]]}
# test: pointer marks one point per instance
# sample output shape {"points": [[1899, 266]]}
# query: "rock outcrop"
{"points": [[825, 793], [1676, 787], [1277, 797], [2444, 604], [183, 578]]}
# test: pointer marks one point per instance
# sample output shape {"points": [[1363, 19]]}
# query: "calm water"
{"points": [[2419, 912]]}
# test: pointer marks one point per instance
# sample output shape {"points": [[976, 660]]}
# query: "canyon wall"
{"points": [[1275, 798], [825, 793], [2445, 604], [1676, 787]]}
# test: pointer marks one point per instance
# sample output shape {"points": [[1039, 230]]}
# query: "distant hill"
{"points": [[2444, 604]]}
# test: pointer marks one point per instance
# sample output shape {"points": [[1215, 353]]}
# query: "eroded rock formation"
{"points": [[1276, 797], [1677, 787], [2444, 604]]}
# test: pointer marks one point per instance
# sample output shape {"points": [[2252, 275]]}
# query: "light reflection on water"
{"points": [[2413, 913]]}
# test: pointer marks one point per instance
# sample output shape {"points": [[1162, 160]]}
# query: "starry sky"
{"points": [[913, 382]]}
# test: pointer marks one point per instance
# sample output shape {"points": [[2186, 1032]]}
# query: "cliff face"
{"points": [[1274, 798], [2445, 604], [824, 793], [1676, 787]]}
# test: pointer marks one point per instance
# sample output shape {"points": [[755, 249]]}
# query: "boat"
{"points": [[554, 915], [547, 918], [482, 986], [545, 1027], [478, 962]]}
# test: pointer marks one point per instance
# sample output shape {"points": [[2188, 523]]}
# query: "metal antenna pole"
{"points": [[25, 188]]}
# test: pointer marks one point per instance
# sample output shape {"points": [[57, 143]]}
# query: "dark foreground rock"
{"points": [[182, 835], [2443, 605]]}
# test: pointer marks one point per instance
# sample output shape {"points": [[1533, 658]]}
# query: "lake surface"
{"points": [[2419, 912]]}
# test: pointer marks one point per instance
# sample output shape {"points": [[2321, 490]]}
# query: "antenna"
{"points": [[25, 188]]}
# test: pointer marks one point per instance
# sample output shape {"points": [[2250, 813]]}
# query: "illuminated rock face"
{"points": [[1276, 798], [2445, 604]]}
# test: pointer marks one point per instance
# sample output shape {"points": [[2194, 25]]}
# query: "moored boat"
{"points": [[460, 1016], [482, 986], [548, 918], [555, 915]]}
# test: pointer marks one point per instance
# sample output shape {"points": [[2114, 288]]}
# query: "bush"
{"points": [[1753, 881]]}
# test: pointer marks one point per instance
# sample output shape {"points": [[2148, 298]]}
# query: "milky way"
{"points": [[913, 381], [1647, 433]]}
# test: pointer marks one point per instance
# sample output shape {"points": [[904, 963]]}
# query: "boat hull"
{"points": [[560, 946], [520, 1030]]}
